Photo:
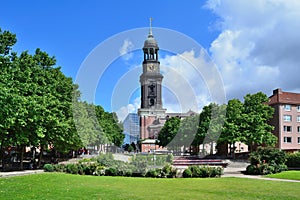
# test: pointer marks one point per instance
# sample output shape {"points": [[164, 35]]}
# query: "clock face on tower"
{"points": [[151, 68]]}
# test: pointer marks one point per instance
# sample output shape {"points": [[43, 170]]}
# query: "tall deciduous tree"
{"points": [[187, 133], [168, 132], [231, 132], [211, 122], [36, 100], [254, 127]]}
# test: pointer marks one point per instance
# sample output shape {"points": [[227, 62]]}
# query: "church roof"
{"points": [[150, 42]]}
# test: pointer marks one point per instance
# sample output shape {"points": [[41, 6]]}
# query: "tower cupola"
{"points": [[150, 48]]}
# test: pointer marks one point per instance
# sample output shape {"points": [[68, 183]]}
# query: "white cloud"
{"points": [[258, 47], [189, 83], [126, 49], [130, 108], [191, 80]]}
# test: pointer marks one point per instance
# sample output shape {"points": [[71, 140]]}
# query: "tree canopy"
{"points": [[37, 102], [225, 124]]}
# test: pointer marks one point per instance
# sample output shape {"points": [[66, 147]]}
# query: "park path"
{"points": [[236, 169]]}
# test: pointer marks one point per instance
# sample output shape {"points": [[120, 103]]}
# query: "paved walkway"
{"points": [[236, 169], [20, 173]]}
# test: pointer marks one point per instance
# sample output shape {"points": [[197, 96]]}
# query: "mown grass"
{"points": [[66, 186], [293, 175]]}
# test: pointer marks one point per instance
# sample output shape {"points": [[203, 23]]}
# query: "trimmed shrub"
{"points": [[252, 169], [266, 160], [153, 173], [48, 168], [106, 160], [196, 171], [293, 160], [89, 169], [216, 171], [99, 171], [128, 173], [59, 168], [111, 171], [187, 173], [267, 155], [72, 169]]}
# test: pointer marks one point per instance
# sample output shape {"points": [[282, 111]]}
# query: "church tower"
{"points": [[151, 89]]}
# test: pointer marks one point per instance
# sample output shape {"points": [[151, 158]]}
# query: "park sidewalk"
{"points": [[20, 173], [237, 169]]}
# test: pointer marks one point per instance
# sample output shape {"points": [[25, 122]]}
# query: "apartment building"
{"points": [[286, 119]]}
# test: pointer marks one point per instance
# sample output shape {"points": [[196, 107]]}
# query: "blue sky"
{"points": [[253, 43]]}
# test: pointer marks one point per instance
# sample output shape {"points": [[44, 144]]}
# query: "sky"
{"points": [[212, 50]]}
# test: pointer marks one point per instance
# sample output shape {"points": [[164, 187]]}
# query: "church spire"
{"points": [[150, 27]]}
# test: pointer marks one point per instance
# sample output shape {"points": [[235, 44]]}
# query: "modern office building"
{"points": [[131, 127], [286, 119]]}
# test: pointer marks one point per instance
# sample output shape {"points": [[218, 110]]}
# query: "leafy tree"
{"points": [[187, 133], [168, 132], [87, 124], [36, 100], [255, 129], [110, 126], [211, 122], [231, 130]]}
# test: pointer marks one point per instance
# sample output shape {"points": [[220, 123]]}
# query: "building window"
{"points": [[298, 118], [287, 128], [287, 107], [298, 108], [298, 140], [287, 139], [298, 129], [287, 118]]}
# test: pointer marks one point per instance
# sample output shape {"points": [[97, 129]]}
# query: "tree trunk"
{"points": [[2, 156], [40, 157], [21, 157], [211, 148]]}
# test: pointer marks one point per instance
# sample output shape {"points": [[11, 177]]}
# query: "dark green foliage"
{"points": [[153, 173], [89, 169], [196, 171], [267, 155], [267, 160], [168, 171], [99, 171], [59, 168], [254, 127], [252, 169], [169, 131], [111, 172], [48, 168], [74, 169], [293, 160], [187, 173]]}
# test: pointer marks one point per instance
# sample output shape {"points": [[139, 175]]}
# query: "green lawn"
{"points": [[293, 175], [66, 186]]}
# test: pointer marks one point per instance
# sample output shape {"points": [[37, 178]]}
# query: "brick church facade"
{"points": [[152, 114]]}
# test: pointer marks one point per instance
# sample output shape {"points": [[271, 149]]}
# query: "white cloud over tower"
{"points": [[258, 47]]}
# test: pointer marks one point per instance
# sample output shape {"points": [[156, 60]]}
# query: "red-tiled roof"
{"points": [[284, 98]]}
